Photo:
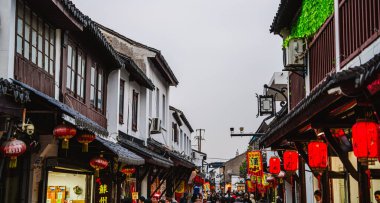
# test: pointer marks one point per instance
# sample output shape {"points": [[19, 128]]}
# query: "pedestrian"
{"points": [[279, 199], [246, 198], [377, 196], [184, 198], [141, 199], [252, 198], [318, 196]]}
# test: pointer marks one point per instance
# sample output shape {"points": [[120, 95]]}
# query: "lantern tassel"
{"points": [[319, 180], [65, 143], [85, 147], [13, 162], [368, 172]]}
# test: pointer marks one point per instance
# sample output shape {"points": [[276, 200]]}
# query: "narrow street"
{"points": [[191, 101]]}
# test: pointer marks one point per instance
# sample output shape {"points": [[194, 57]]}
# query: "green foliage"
{"points": [[243, 169], [313, 15]]}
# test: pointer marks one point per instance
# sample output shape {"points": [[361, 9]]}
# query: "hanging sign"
{"points": [[254, 163], [135, 195], [103, 190], [206, 186]]}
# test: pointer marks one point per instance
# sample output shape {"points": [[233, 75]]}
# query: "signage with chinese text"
{"points": [[103, 190], [254, 163]]}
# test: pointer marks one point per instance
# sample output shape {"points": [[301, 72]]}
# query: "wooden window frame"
{"points": [[33, 37], [76, 71], [97, 87], [175, 130], [121, 101], [135, 98]]}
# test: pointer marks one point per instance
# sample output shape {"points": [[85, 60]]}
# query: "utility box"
{"points": [[294, 54]]}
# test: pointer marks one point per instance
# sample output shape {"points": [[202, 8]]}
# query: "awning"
{"points": [[124, 155], [359, 76], [70, 114], [178, 158], [151, 157]]}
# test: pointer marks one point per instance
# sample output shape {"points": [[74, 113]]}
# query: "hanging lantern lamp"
{"points": [[98, 163], [85, 139], [274, 165], [64, 132], [13, 148], [290, 159], [365, 140], [317, 151], [128, 171]]}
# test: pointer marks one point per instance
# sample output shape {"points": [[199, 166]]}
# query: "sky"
{"points": [[221, 51]]}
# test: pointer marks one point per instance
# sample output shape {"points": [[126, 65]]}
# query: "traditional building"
{"points": [[331, 49]]}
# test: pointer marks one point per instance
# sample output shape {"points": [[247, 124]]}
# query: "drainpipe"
{"points": [[337, 38]]}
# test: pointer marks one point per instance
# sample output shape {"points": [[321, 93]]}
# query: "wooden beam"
{"points": [[161, 182], [331, 124], [364, 196], [302, 181], [325, 184], [343, 156]]}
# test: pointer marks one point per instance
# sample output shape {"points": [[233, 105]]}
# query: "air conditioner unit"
{"points": [[193, 155], [294, 54], [155, 126]]}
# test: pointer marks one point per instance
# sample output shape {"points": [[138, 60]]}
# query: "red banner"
{"points": [[254, 163]]}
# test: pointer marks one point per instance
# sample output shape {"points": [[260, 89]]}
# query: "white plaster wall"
{"points": [[7, 37], [113, 92], [140, 129], [124, 75], [186, 144]]}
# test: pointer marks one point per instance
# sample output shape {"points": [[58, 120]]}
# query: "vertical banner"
{"points": [[254, 163], [103, 190], [206, 186]]}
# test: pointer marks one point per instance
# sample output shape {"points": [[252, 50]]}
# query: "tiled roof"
{"points": [[183, 117], [285, 15], [92, 27], [361, 75]]}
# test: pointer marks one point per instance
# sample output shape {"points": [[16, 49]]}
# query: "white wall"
{"points": [[113, 92], [185, 147], [7, 37]]}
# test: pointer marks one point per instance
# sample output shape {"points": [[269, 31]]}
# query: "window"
{"points": [[35, 39], [184, 142], [75, 74], [175, 132], [180, 138], [134, 110], [96, 87], [150, 103], [163, 110], [157, 103], [121, 102]]}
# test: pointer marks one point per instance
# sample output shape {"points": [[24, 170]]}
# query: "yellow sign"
{"points": [[181, 187], [254, 163], [135, 195], [206, 186], [264, 180]]}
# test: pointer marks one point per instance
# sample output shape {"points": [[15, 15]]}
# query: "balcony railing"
{"points": [[359, 26], [322, 53]]}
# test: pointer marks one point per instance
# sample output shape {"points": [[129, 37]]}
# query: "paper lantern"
{"points": [[85, 139], [338, 132], [98, 163], [365, 140], [64, 132], [290, 161], [128, 171], [317, 152], [13, 148], [274, 165]]}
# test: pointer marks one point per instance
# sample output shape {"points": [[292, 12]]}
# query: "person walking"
{"points": [[377, 196]]}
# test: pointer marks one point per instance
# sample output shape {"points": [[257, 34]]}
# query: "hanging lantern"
{"points": [[98, 163], [274, 165], [13, 148], [317, 151], [290, 161], [338, 132], [64, 132], [128, 171], [84, 139], [365, 140]]}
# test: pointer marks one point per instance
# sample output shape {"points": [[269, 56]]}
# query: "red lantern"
{"points": [[290, 161], [13, 148], [274, 165], [128, 171], [84, 139], [365, 140], [338, 132], [98, 163], [317, 151], [64, 132]]}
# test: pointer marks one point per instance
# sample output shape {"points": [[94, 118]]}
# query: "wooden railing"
{"points": [[322, 53], [359, 26]]}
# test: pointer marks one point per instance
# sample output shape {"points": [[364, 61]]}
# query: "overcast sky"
{"points": [[220, 50]]}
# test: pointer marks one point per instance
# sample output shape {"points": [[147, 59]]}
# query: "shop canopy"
{"points": [[68, 114], [351, 80], [178, 158], [149, 155], [124, 155]]}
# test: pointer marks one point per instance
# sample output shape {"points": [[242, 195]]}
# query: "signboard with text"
{"points": [[103, 187], [254, 163]]}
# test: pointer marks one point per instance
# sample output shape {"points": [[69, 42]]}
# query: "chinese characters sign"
{"points": [[103, 190], [254, 163]]}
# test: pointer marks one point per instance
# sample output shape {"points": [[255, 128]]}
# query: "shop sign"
{"points": [[254, 163], [206, 186], [181, 187], [135, 195], [103, 190]]}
